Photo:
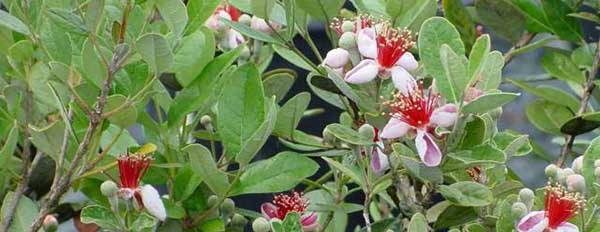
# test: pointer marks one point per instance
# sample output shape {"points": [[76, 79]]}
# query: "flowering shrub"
{"points": [[152, 115]]}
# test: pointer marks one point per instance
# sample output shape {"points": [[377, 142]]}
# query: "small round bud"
{"points": [[228, 206], [50, 223], [245, 19], [367, 131], [206, 120], [597, 163], [212, 200], [261, 225], [561, 176], [526, 195], [577, 165], [519, 209], [109, 188], [347, 26], [576, 183], [551, 171], [347, 41], [245, 54], [568, 171], [238, 220]]}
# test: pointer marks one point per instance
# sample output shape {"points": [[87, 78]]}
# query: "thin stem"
{"points": [[524, 40]]}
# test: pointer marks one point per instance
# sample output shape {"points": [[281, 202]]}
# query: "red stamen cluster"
{"points": [[233, 12], [132, 168], [561, 205], [392, 43], [287, 203], [414, 108]]}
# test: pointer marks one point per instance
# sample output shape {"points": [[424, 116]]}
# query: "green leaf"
{"points": [[565, 27], [547, 116], [290, 114], [198, 12], [487, 102], [174, 13], [550, 93], [536, 20], [512, 144], [202, 92], [418, 169], [591, 154], [583, 56], [457, 14], [216, 225], [455, 215], [240, 108], [348, 135], [418, 223], [25, 213], [291, 223], [93, 14], [68, 20], [581, 124], [56, 41], [278, 83], [318, 84], [497, 14], [262, 8], [478, 155], [93, 67], [246, 30], [292, 57], [254, 143], [467, 193], [10, 144], [359, 97], [477, 57], [156, 51], [562, 67], [474, 132], [435, 32], [204, 165], [491, 74], [354, 174], [321, 10], [506, 218], [101, 216], [144, 222], [21, 51], [279, 173], [195, 52], [126, 116], [455, 72], [408, 13], [586, 16], [48, 139], [13, 23]]}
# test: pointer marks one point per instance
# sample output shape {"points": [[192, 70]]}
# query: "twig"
{"points": [[587, 92], [524, 40]]}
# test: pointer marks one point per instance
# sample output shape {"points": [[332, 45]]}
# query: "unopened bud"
{"points": [[597, 163], [347, 26], [261, 224], [245, 53], [347, 41], [212, 201], [561, 176], [50, 223], [526, 196], [577, 165], [367, 131], [206, 120], [245, 19], [576, 183], [228, 206], [568, 171], [109, 188], [519, 209], [238, 220], [551, 171]]}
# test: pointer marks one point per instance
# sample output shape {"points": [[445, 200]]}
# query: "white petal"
{"points": [[428, 150], [534, 221], [260, 24], [231, 40], [337, 58], [408, 62], [379, 160], [364, 72], [367, 45], [402, 80], [152, 202], [444, 116], [567, 227], [214, 21], [395, 128]]}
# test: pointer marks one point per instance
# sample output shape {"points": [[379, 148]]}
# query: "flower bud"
{"points": [[568, 171], [206, 120], [526, 196], [50, 223], [597, 163], [576, 183], [109, 188], [577, 165], [347, 41], [367, 131], [212, 200], [261, 224], [336, 58], [245, 54], [152, 202], [561, 176], [551, 171], [238, 220], [228, 206], [245, 19], [519, 209], [261, 25], [348, 26]]}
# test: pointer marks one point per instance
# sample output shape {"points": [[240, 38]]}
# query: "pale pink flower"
{"points": [[231, 39], [379, 160], [287, 203], [261, 25], [559, 207], [414, 111], [226, 11]]}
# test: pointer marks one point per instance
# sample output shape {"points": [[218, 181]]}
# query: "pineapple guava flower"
{"points": [[287, 203], [559, 206]]}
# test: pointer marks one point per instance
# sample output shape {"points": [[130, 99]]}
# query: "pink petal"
{"points": [[403, 81], [309, 221], [261, 25], [214, 21], [428, 151], [444, 116], [379, 160], [232, 39], [365, 40], [268, 210], [567, 227], [364, 72], [337, 58], [408, 62], [534, 221], [395, 128], [152, 202]]}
